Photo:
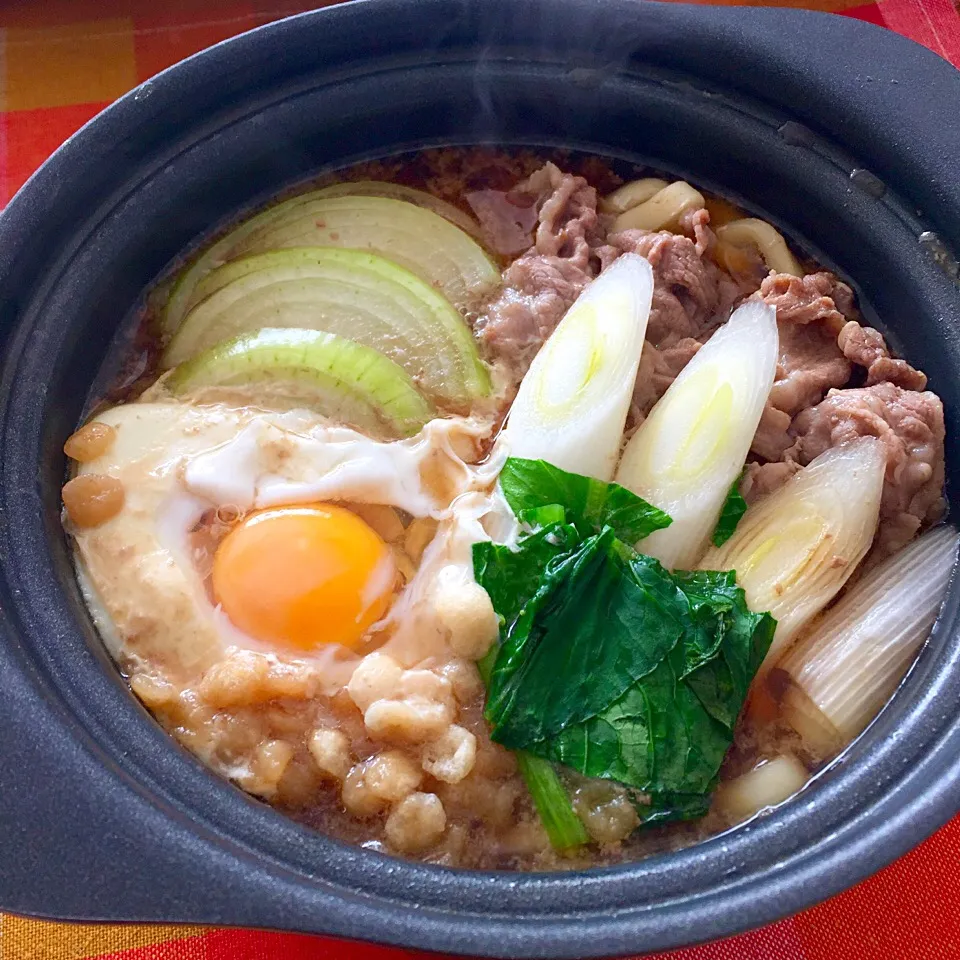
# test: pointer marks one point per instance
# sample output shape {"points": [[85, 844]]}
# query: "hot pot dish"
{"points": [[510, 510]]}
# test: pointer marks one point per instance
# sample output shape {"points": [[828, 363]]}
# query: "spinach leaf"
{"points": [[564, 828], [621, 670], [744, 638], [608, 663], [512, 575], [668, 730], [590, 504], [667, 807], [574, 650], [734, 507]]}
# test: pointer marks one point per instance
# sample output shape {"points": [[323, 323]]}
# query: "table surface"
{"points": [[61, 62]]}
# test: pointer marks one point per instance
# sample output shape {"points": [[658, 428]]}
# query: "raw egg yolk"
{"points": [[304, 576]]}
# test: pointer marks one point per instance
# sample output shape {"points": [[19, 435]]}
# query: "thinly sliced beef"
{"points": [[819, 347], [658, 369], [910, 423], [507, 224], [696, 223], [810, 363], [808, 320], [763, 478], [817, 297], [569, 225], [866, 347], [691, 295], [541, 285], [537, 292], [772, 439]]}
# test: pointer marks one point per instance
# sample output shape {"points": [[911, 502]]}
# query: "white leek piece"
{"points": [[850, 663], [767, 784], [796, 548], [691, 448], [573, 401]]}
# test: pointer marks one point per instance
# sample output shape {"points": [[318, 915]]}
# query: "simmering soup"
{"points": [[507, 510]]}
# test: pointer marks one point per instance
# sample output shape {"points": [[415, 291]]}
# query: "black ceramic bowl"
{"points": [[102, 816]]}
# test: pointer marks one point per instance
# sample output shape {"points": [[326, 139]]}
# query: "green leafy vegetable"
{"points": [[580, 628], [511, 576], [608, 663], [734, 507], [615, 669], [564, 828], [668, 807], [530, 485]]}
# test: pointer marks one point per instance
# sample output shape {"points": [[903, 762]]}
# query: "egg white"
{"points": [[177, 461]]}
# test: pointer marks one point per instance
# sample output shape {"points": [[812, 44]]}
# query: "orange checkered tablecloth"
{"points": [[62, 61]]}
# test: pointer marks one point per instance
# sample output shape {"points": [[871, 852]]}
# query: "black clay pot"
{"points": [[102, 816]]}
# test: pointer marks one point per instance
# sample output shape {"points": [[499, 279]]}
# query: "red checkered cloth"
{"points": [[62, 61]]}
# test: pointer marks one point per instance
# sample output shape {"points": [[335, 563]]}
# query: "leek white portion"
{"points": [[691, 448], [767, 784], [850, 663], [573, 401], [796, 548], [821, 739]]}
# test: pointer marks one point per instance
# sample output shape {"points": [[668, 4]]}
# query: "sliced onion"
{"points": [[573, 401], [398, 191], [691, 448], [850, 663], [796, 548], [243, 239]]}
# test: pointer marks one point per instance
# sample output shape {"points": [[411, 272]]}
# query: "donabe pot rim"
{"points": [[120, 840]]}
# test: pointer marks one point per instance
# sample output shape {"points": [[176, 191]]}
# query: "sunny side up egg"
{"points": [[236, 534], [299, 576]]}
